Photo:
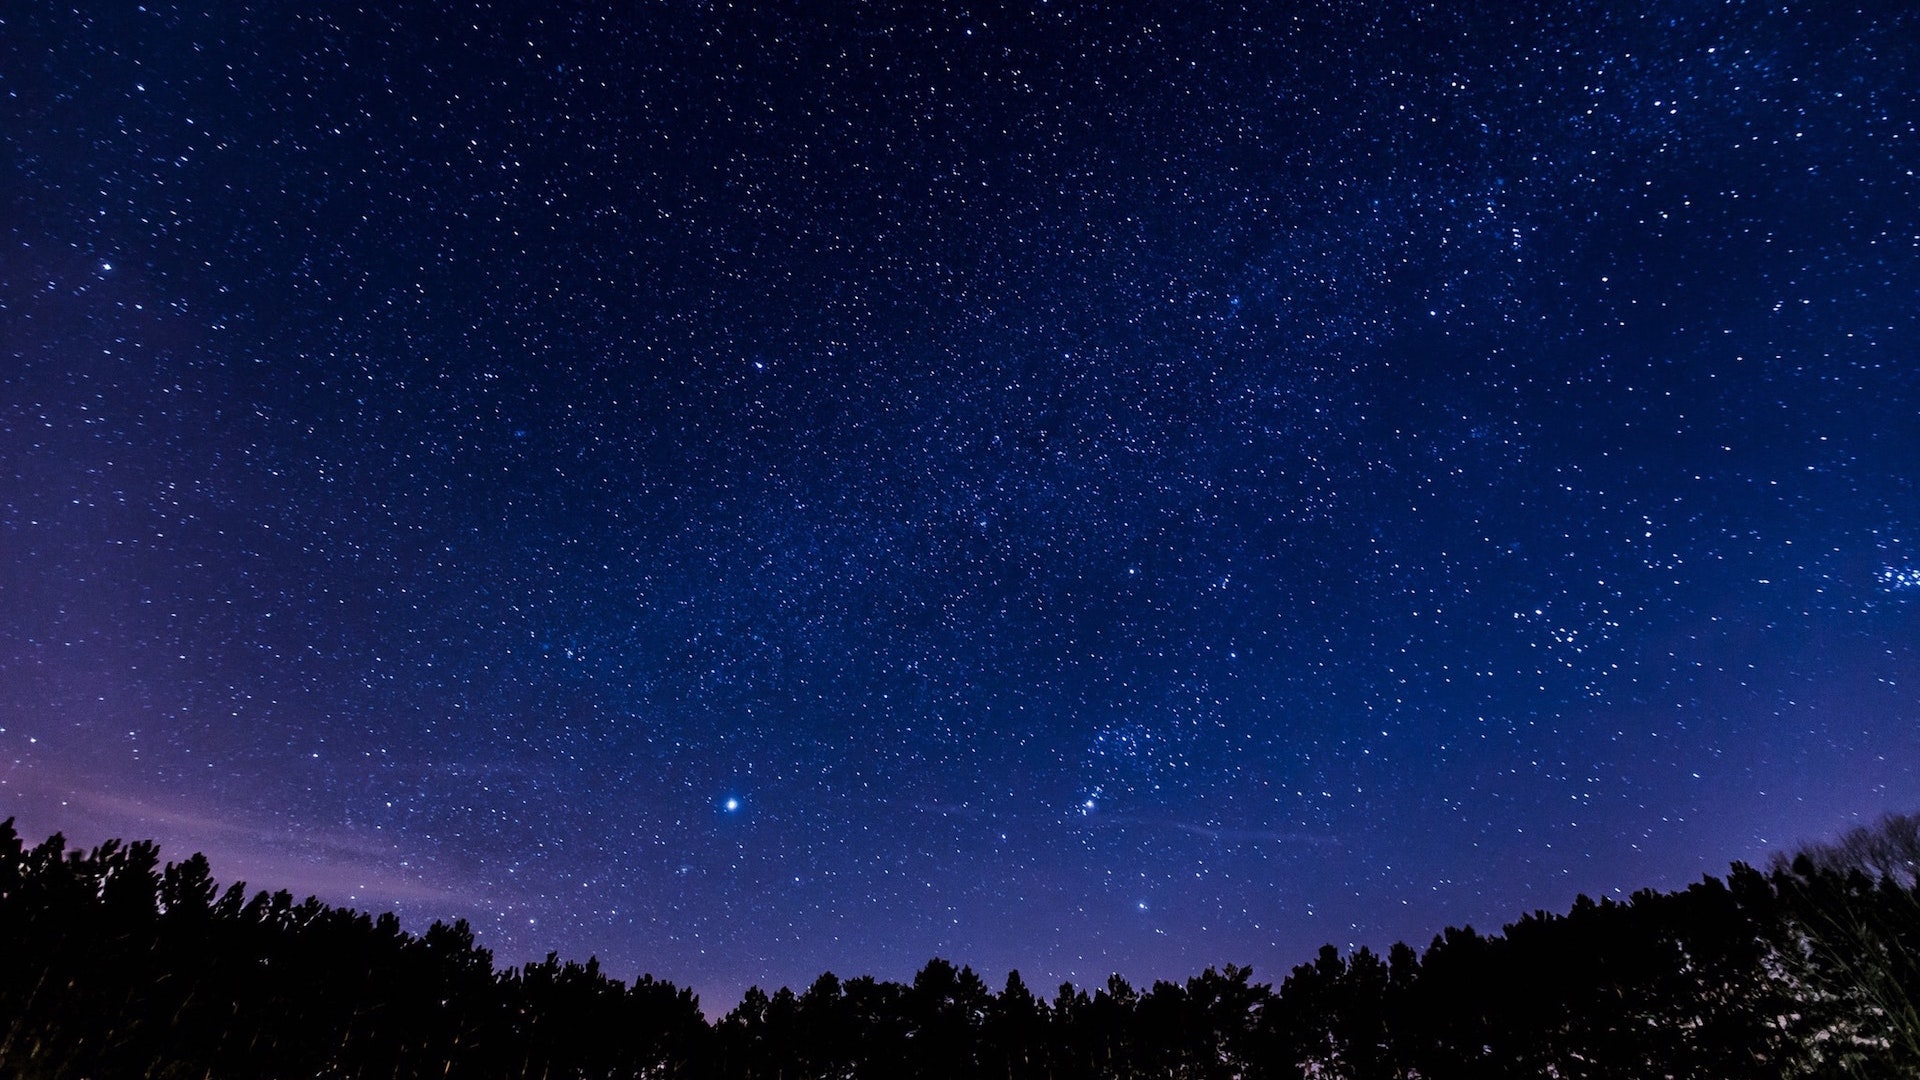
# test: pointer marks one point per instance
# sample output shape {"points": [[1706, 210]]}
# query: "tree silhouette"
{"points": [[118, 965], [1014, 1037]]}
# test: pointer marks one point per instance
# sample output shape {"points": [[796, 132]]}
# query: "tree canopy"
{"points": [[118, 965]]}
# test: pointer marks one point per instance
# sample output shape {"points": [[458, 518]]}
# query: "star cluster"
{"points": [[752, 489]]}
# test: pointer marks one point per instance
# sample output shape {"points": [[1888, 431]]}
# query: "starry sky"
{"points": [[750, 489]]}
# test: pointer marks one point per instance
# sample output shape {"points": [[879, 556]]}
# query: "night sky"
{"points": [[750, 489]]}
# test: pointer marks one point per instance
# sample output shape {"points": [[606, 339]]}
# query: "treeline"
{"points": [[114, 965]]}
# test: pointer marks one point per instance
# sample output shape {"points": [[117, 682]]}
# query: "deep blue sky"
{"points": [[752, 489]]}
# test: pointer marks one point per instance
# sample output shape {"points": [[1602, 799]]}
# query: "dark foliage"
{"points": [[115, 965]]}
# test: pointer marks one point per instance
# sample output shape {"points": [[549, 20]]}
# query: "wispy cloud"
{"points": [[343, 866]]}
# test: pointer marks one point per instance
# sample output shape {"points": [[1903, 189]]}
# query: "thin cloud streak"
{"points": [[335, 864]]}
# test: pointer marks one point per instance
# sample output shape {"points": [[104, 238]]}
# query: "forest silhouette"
{"points": [[113, 964]]}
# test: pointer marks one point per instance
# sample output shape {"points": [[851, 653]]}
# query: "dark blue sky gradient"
{"points": [[752, 489]]}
